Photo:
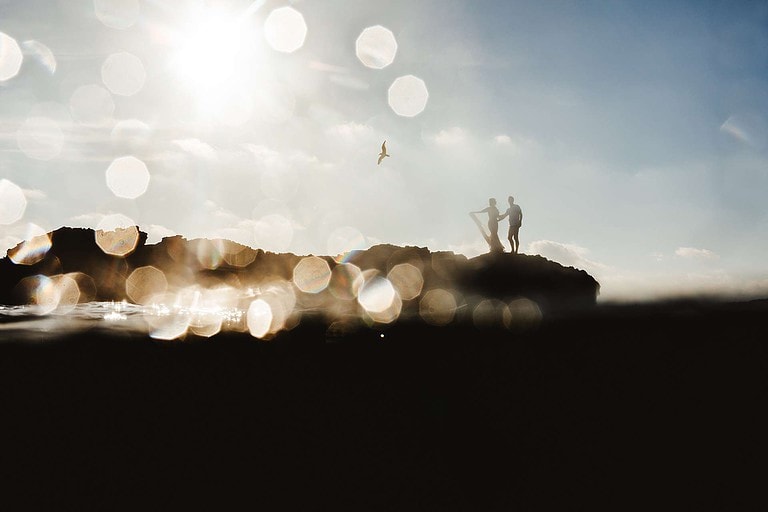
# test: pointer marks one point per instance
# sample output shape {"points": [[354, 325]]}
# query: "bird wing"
{"points": [[384, 148], [381, 157]]}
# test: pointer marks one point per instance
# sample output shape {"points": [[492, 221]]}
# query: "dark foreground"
{"points": [[656, 408]]}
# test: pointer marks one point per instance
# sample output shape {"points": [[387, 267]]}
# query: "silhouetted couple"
{"points": [[515, 215]]}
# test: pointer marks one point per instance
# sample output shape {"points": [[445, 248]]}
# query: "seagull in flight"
{"points": [[383, 152]]}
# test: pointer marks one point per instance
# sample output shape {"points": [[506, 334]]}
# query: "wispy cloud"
{"points": [[351, 131], [694, 253], [569, 255], [197, 148], [35, 194]]}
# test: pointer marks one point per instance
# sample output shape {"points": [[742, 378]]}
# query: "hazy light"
{"points": [[41, 53], [10, 57], [346, 280], [117, 235], [123, 73], [285, 29], [236, 109], [273, 103], [312, 274], [522, 315], [144, 283], [437, 307], [40, 138], [408, 96], [376, 47], [12, 202], [33, 249], [407, 280], [376, 295], [127, 177], [259, 318], [91, 105], [119, 14]]}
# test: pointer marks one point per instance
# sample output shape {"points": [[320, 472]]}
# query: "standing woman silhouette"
{"points": [[493, 225]]}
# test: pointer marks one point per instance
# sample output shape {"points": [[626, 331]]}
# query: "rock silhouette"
{"points": [[204, 262]]}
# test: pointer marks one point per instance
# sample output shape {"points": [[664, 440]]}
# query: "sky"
{"points": [[633, 135]]}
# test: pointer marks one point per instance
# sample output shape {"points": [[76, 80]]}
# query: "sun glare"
{"points": [[208, 50]]}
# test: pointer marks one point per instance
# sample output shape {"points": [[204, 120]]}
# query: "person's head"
{"points": [[492, 201], [511, 200]]}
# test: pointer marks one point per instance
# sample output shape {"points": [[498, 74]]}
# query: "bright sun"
{"points": [[210, 48]]}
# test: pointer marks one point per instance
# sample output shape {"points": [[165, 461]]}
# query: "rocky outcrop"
{"points": [[207, 263]]}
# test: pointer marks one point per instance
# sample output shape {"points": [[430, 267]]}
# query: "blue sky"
{"points": [[633, 134]]}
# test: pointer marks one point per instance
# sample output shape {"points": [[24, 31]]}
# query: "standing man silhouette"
{"points": [[515, 215], [493, 226]]}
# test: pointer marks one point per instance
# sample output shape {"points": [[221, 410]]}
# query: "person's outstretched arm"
{"points": [[481, 211], [503, 216]]}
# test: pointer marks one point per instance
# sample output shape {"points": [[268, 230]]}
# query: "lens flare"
{"points": [[127, 177], [10, 57], [346, 280], [117, 235], [259, 318], [376, 295], [13, 203], [437, 307], [33, 249], [312, 274], [144, 283], [408, 96], [285, 29], [118, 14], [376, 47], [41, 53], [488, 313], [407, 280], [522, 314], [123, 73]]}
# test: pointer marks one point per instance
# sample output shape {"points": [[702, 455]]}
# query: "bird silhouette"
{"points": [[383, 152]]}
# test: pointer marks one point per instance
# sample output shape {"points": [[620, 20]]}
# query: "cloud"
{"points": [[156, 233], [35, 194], [450, 136], [351, 131], [262, 153], [7, 243], [693, 253], [196, 147], [516, 143], [568, 255]]}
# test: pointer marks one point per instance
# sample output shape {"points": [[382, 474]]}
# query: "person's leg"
{"points": [[517, 241]]}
